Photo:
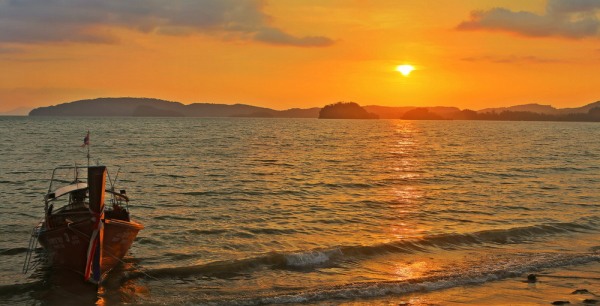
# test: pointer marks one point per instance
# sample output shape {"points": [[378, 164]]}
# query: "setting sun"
{"points": [[405, 69]]}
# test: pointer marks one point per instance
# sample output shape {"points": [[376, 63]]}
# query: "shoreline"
{"points": [[576, 284]]}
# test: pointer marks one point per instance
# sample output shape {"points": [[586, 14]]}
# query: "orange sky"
{"points": [[301, 53]]}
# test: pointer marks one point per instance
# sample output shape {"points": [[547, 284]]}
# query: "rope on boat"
{"points": [[33, 242]]}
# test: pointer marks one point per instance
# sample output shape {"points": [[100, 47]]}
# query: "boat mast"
{"points": [[86, 142], [88, 154]]}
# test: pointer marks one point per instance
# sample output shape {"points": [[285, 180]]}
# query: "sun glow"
{"points": [[405, 69]]}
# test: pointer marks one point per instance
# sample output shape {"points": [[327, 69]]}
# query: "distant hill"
{"points": [[527, 112], [580, 110], [390, 112], [542, 109], [112, 107], [533, 108], [421, 113], [345, 110], [290, 113], [536, 112], [21, 111], [146, 107]]}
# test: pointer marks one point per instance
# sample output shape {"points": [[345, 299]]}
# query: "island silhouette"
{"points": [[148, 107], [345, 110]]}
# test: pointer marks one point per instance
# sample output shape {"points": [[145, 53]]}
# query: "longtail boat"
{"points": [[84, 235]]}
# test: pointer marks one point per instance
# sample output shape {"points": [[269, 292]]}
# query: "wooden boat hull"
{"points": [[67, 245]]}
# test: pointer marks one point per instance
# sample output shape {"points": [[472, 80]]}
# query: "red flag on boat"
{"points": [[86, 140]]}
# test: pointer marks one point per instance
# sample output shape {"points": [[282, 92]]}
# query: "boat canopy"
{"points": [[80, 186], [77, 185], [69, 188]]}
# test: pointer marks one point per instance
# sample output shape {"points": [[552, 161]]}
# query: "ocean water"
{"points": [[301, 211]]}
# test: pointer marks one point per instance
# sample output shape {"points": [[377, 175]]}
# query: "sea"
{"points": [[248, 211]]}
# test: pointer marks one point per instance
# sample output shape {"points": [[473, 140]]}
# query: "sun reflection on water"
{"points": [[411, 270], [407, 196]]}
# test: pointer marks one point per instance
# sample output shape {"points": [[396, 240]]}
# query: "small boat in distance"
{"points": [[83, 234]]}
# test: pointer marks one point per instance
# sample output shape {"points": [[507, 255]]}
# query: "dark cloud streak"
{"points": [[571, 6], [278, 37], [512, 59], [40, 21], [574, 19]]}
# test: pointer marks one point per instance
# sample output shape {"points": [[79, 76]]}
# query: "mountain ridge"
{"points": [[542, 109], [150, 107]]}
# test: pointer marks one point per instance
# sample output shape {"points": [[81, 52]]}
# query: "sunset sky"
{"points": [[301, 53]]}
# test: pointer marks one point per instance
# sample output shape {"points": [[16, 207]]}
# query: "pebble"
{"points": [[531, 278]]}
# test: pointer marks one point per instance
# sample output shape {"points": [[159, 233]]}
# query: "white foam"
{"points": [[310, 258]]}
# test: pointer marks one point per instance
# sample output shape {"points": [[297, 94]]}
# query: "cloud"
{"points": [[90, 21], [276, 36], [573, 19], [10, 50], [572, 6], [512, 59]]}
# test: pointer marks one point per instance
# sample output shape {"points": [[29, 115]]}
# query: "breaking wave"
{"points": [[319, 257], [499, 268]]}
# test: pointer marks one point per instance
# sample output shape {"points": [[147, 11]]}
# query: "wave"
{"points": [[175, 176], [270, 231], [148, 241], [172, 217], [307, 259], [234, 267], [200, 193], [299, 192], [352, 186], [18, 172], [453, 241], [13, 251], [313, 258], [208, 231], [245, 193], [485, 272], [16, 289]]}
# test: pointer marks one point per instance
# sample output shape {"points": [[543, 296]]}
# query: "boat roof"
{"points": [[75, 186], [69, 188]]}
